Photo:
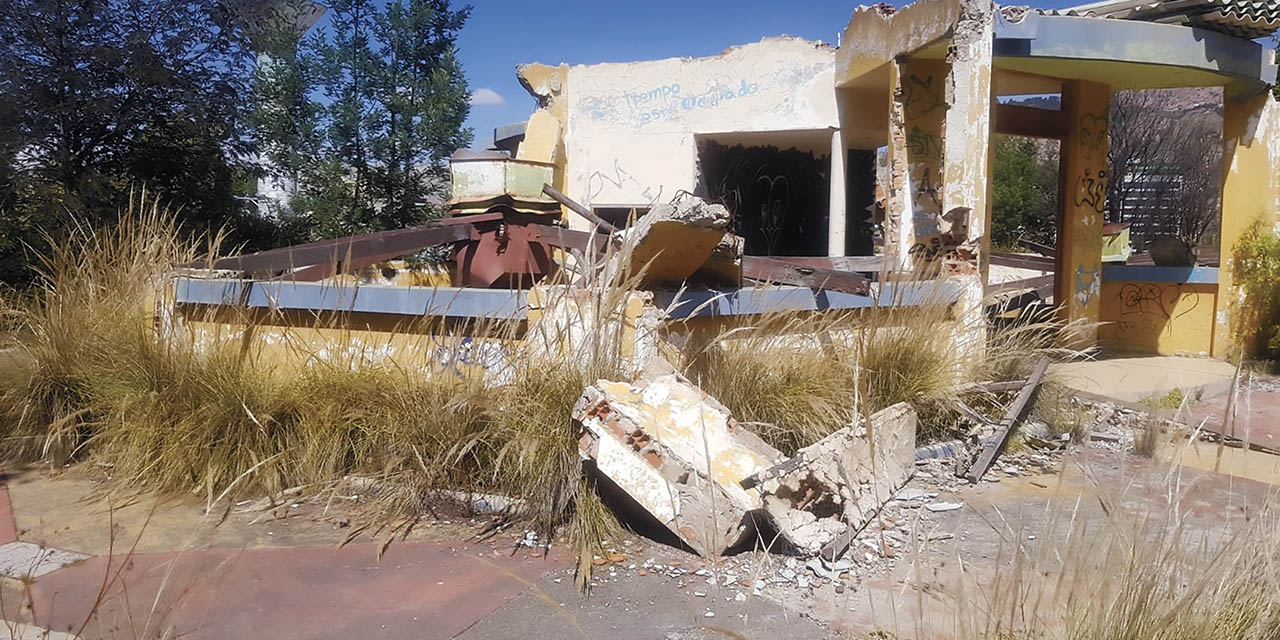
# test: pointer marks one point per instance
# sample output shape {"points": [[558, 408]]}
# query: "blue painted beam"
{"points": [[455, 302], [746, 302], [1146, 273]]}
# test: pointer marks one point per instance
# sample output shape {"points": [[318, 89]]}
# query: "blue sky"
{"points": [[504, 33]]}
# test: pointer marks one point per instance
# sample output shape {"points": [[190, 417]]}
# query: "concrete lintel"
{"points": [[874, 38], [1242, 64]]}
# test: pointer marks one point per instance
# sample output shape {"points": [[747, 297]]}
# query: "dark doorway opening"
{"points": [[779, 198]]}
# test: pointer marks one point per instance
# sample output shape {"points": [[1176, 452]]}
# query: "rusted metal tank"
{"points": [[503, 252]]}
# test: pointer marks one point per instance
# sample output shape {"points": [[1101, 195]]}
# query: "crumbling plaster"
{"points": [[629, 129]]}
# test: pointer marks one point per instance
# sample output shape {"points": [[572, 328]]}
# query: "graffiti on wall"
{"points": [[1088, 284], [1091, 191], [676, 98], [469, 357], [1148, 308], [924, 143], [925, 111], [618, 179], [1091, 187], [920, 97], [1093, 136]]}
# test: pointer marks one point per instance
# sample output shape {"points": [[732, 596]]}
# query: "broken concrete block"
{"points": [[832, 488], [724, 267], [678, 453], [670, 242]]}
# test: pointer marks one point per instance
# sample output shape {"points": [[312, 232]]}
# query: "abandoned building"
{"points": [[786, 133], [652, 207]]}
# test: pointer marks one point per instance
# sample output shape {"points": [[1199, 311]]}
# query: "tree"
{"points": [[100, 96], [1025, 193], [365, 112], [1164, 163]]}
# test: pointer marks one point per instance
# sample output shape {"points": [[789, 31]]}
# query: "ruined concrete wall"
{"points": [[628, 128]]}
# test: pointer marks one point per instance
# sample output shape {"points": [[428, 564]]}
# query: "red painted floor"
{"points": [[418, 590], [8, 527], [1258, 413]]}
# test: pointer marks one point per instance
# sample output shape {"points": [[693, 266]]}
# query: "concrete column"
{"points": [[838, 226], [916, 120], [1250, 192], [967, 141], [1083, 195]]}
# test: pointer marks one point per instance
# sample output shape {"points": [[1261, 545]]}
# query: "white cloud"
{"points": [[485, 98]]}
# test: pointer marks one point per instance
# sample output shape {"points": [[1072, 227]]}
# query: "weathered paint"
{"points": [[479, 179], [628, 129], [966, 175], [923, 107], [1084, 190], [872, 39], [1163, 318], [1251, 192]]}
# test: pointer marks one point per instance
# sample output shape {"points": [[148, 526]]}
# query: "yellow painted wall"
{"points": [[1251, 129], [1163, 318]]}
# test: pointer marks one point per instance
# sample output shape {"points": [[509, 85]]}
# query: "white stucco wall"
{"points": [[631, 126]]}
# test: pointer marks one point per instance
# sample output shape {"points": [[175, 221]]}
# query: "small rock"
{"points": [[709, 614], [940, 507]]}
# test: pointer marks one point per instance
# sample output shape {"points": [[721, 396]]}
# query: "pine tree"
{"points": [[365, 112], [424, 99]]}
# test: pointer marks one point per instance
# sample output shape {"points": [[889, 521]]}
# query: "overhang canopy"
{"points": [[1128, 54], [1247, 19]]}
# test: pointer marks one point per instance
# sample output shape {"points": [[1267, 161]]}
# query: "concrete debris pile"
{"points": [[685, 460]]}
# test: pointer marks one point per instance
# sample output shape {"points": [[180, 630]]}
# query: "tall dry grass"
{"points": [[94, 378], [795, 378]]}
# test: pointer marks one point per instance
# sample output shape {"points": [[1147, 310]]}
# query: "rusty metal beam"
{"points": [[573, 206], [1031, 122], [782, 271], [1036, 263], [395, 242], [1011, 417]]}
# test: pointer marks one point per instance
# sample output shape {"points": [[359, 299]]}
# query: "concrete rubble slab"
{"points": [[673, 241], [27, 559], [685, 460], [841, 481], [678, 453]]}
